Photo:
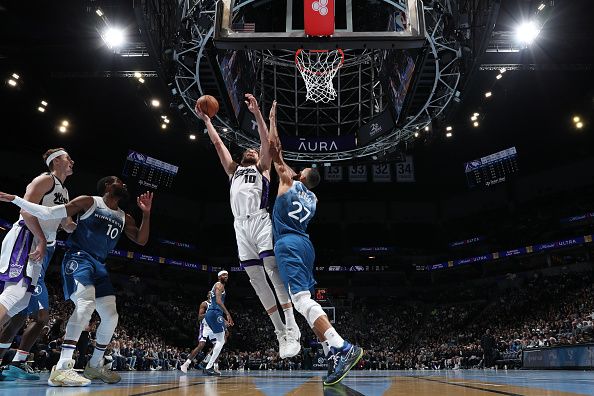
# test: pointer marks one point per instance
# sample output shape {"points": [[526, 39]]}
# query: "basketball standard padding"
{"points": [[318, 17], [208, 105]]}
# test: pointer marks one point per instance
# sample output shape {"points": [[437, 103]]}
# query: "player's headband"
{"points": [[223, 272], [53, 156]]}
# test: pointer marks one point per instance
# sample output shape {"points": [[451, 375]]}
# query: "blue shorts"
{"points": [[295, 258], [39, 297], [79, 266], [215, 321]]}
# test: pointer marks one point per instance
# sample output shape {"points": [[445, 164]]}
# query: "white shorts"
{"points": [[254, 238], [205, 332], [14, 256]]}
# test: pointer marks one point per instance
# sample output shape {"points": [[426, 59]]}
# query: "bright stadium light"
{"points": [[141, 80], [427, 128], [576, 119], [137, 75], [488, 94], [416, 134], [499, 76], [15, 76], [41, 109], [579, 125], [155, 103], [99, 12], [65, 123], [475, 114], [475, 124], [163, 126], [449, 128], [541, 7], [192, 137], [449, 134], [473, 118], [166, 120], [44, 103], [12, 82], [114, 37], [527, 32], [62, 129]]}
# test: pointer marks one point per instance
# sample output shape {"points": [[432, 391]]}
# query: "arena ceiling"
{"points": [[57, 51]]}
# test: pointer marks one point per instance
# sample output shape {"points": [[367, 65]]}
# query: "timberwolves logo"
{"points": [[71, 266], [321, 360], [38, 290], [220, 319]]}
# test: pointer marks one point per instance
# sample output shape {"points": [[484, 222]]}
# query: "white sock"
{"points": [[65, 355], [333, 339], [20, 356], [215, 354], [277, 321], [97, 356], [325, 347], [187, 363], [290, 318]]}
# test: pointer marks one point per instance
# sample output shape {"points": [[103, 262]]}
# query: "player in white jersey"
{"points": [[253, 229]]}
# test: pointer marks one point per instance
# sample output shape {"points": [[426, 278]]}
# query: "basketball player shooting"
{"points": [[294, 208], [253, 229]]}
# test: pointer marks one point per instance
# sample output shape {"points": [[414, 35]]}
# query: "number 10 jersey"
{"points": [[249, 191]]}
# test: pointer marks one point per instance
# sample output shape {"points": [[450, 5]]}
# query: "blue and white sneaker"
{"points": [[20, 370], [347, 358]]}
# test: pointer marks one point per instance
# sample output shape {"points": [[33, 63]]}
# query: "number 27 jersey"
{"points": [[98, 230], [293, 211]]}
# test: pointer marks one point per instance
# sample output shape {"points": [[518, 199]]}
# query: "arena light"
{"points": [[137, 75], [192, 137], [473, 118], [579, 125], [12, 82], [15, 76], [155, 103], [166, 120], [99, 12], [449, 134], [62, 129], [475, 124], [41, 109], [488, 94], [65, 123], [427, 128], [541, 6], [576, 119], [141, 80], [449, 128], [163, 126], [114, 37], [416, 134], [499, 76], [475, 114], [527, 32], [225, 129], [502, 70], [44, 103]]}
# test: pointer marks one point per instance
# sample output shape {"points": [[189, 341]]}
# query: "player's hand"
{"points": [[145, 202], [39, 252], [252, 104], [230, 321], [272, 116], [201, 115], [5, 197]]}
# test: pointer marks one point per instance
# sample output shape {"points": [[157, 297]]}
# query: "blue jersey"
{"points": [[293, 211], [98, 230], [214, 306]]}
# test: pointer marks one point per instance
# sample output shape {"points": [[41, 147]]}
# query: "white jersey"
{"points": [[249, 191], [58, 195]]}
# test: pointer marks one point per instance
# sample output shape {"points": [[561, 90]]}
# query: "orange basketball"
{"points": [[208, 104]]}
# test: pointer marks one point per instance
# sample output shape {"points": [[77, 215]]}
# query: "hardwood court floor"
{"points": [[296, 383]]}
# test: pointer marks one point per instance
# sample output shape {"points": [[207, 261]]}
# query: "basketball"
{"points": [[208, 105]]}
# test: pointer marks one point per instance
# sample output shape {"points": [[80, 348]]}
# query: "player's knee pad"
{"points": [[279, 286], [261, 286], [84, 306], [106, 308], [15, 297], [307, 307]]}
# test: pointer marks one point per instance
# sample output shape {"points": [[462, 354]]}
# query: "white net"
{"points": [[318, 68]]}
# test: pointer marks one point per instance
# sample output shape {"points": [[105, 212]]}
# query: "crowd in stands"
{"points": [[537, 312]]}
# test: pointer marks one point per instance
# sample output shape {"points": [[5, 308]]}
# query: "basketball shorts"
{"points": [[39, 297], [295, 257], [215, 321], [254, 238], [14, 256], [205, 332], [80, 267]]}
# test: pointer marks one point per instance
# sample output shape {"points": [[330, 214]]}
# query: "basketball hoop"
{"points": [[318, 68]]}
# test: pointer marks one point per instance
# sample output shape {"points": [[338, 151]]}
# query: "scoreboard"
{"points": [[149, 172], [492, 169]]}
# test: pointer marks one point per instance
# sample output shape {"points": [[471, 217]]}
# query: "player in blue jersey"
{"points": [[86, 281], [294, 208], [216, 321]]}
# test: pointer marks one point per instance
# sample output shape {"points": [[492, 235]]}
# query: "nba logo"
{"points": [[71, 266], [318, 17]]}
